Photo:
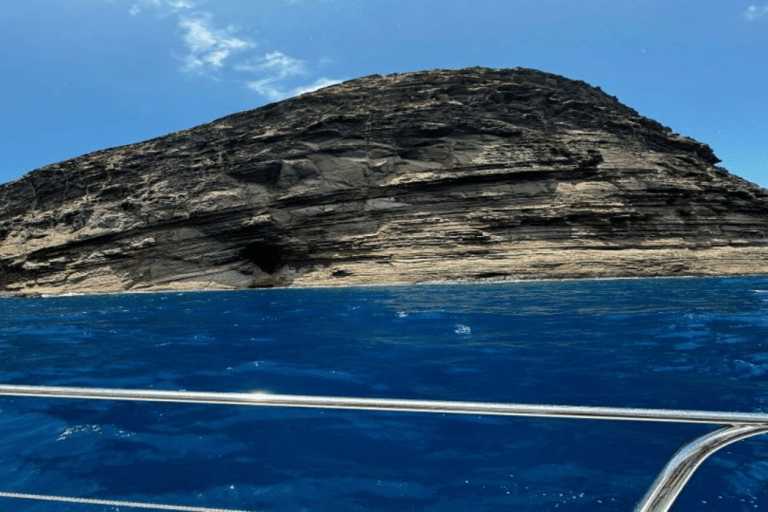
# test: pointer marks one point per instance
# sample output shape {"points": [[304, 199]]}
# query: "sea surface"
{"points": [[699, 343]]}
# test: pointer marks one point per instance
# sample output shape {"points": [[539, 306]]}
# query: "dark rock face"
{"points": [[436, 175]]}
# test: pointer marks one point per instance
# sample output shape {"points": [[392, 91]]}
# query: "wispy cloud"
{"points": [[209, 48], [755, 12], [319, 84], [277, 74], [163, 6], [277, 65], [222, 53], [273, 90]]}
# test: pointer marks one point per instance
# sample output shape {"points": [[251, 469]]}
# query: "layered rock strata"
{"points": [[439, 175]]}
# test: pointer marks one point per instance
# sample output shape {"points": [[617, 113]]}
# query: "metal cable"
{"points": [[114, 503]]}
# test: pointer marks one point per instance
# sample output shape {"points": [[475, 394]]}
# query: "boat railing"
{"points": [[734, 426]]}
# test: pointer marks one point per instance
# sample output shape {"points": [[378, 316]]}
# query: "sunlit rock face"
{"points": [[467, 175]]}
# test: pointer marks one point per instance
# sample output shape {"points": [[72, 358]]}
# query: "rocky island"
{"points": [[445, 175]]}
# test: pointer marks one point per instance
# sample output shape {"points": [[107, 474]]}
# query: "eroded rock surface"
{"points": [[430, 176]]}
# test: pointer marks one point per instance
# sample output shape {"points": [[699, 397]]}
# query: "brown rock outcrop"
{"points": [[430, 176]]}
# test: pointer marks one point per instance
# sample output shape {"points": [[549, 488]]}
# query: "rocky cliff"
{"points": [[430, 176]]}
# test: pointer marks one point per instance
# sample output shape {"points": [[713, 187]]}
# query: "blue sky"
{"points": [[83, 75]]}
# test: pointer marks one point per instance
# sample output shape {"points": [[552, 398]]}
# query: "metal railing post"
{"points": [[670, 482]]}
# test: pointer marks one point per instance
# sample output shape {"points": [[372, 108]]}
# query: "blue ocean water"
{"points": [[664, 343]]}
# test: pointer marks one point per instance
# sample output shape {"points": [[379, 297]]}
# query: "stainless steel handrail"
{"points": [[389, 404], [680, 468], [659, 498]]}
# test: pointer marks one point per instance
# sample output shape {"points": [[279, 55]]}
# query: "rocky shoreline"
{"points": [[447, 175]]}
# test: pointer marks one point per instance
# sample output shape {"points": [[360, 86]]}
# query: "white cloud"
{"points": [[319, 84], [181, 4], [275, 70], [275, 64], [272, 89], [164, 6], [268, 88], [217, 52], [283, 65], [754, 12], [208, 48]]}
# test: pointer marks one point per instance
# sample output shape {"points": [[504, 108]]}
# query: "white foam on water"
{"points": [[463, 329], [79, 429]]}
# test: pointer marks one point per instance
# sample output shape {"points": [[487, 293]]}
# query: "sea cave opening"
{"points": [[266, 256]]}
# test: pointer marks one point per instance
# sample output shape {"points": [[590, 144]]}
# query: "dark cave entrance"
{"points": [[266, 256]]}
